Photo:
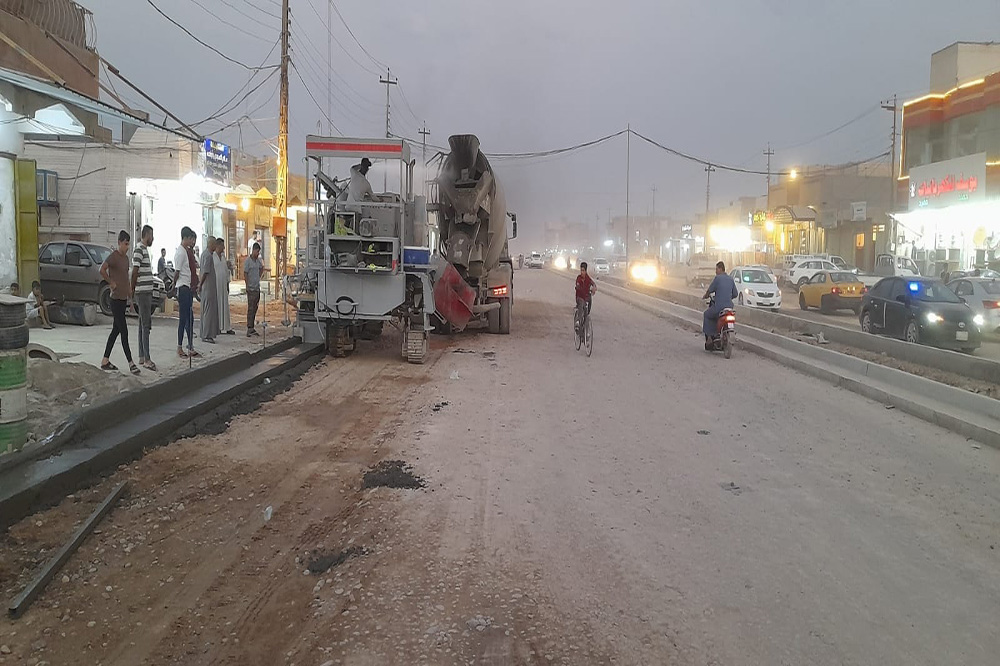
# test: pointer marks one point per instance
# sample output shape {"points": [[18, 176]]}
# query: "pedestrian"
{"points": [[142, 290], [209, 294], [222, 286], [253, 269], [161, 265], [38, 308], [114, 270], [186, 276]]}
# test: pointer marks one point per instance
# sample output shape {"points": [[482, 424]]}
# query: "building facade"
{"points": [[948, 186]]}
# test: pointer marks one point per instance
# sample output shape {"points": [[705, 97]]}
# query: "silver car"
{"points": [[983, 297], [71, 271]]}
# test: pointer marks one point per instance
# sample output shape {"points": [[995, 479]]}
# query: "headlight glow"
{"points": [[934, 318], [748, 291], [978, 320], [561, 263], [644, 273]]}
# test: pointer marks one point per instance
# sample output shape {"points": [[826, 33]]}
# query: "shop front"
{"points": [[953, 219]]}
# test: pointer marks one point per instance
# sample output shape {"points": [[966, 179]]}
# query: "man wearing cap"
{"points": [[359, 189]]}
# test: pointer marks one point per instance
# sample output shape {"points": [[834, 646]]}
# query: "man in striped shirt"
{"points": [[142, 288]]}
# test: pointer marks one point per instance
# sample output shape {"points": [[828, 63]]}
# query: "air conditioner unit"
{"points": [[47, 187]]}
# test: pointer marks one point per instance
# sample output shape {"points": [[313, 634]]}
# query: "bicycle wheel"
{"points": [[578, 331], [589, 337]]}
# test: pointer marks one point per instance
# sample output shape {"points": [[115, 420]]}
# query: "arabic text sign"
{"points": [[942, 184], [218, 162]]}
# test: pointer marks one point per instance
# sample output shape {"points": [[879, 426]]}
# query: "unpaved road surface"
{"points": [[649, 505]]}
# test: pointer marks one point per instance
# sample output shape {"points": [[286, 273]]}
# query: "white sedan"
{"points": [[757, 288]]}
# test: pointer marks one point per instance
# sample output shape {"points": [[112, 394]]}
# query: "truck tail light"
{"points": [[991, 305], [500, 291]]}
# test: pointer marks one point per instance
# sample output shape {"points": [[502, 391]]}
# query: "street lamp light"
{"points": [[794, 174]]}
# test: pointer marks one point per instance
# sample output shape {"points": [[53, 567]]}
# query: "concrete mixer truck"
{"points": [[475, 276]]}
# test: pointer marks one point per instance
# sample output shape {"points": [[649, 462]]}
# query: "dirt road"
{"points": [[649, 505]]}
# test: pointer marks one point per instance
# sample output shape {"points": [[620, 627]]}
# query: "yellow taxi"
{"points": [[832, 290]]}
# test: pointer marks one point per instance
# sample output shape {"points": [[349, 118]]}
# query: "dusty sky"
{"points": [[715, 78]]}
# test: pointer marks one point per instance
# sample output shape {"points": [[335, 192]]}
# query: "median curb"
{"points": [[968, 414]]}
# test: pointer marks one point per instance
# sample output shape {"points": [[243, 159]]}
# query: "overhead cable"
{"points": [[313, 98], [202, 42]]}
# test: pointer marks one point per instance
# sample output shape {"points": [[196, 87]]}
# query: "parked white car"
{"points": [[802, 271], [982, 295], [757, 287]]}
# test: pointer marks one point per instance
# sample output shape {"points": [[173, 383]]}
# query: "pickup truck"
{"points": [[700, 271]]}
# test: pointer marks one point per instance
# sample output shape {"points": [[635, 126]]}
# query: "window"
{"points": [[882, 289], [992, 288], [819, 278], [99, 253], [964, 288], [753, 277], [932, 292], [843, 277], [828, 266], [74, 255], [52, 254], [898, 289]]}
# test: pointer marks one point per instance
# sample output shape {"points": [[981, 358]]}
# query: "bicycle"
{"points": [[583, 330]]}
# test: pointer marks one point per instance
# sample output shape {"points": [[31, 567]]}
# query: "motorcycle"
{"points": [[169, 276], [725, 333]]}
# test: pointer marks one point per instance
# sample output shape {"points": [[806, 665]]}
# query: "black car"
{"points": [[922, 310]]}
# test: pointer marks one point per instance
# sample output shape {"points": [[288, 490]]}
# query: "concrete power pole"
{"points": [[628, 189], [388, 81], [424, 133], [281, 198], [329, 70], [708, 189], [891, 105], [769, 153]]}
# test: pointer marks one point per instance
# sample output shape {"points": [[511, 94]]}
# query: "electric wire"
{"points": [[200, 41], [338, 43], [232, 25], [313, 98], [361, 46]]}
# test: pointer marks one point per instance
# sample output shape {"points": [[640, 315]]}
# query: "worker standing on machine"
{"points": [[359, 189]]}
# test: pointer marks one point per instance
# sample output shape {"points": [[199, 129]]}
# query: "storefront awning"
{"points": [[64, 94], [794, 214]]}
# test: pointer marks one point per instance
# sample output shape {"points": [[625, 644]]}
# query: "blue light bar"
{"points": [[914, 287]]}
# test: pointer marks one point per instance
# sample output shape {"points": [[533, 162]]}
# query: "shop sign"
{"points": [[760, 217], [949, 183], [859, 211], [686, 230], [218, 164]]}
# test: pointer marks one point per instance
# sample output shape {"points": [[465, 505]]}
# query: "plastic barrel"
{"points": [[13, 385]]}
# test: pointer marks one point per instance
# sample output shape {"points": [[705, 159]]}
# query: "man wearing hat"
{"points": [[359, 189]]}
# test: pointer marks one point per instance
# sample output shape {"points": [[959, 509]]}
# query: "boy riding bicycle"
{"points": [[585, 290]]}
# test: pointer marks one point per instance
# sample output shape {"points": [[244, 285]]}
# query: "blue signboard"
{"points": [[218, 162]]}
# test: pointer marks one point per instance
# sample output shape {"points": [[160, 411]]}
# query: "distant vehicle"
{"points": [[887, 265], [71, 271], [757, 287], [601, 267], [839, 262], [644, 269], [984, 273], [920, 310], [700, 271], [982, 295], [536, 261], [832, 290], [803, 271]]}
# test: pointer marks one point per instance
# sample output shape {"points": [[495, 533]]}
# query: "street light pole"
{"points": [[628, 181]]}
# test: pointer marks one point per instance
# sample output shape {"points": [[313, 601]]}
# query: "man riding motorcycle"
{"points": [[724, 288]]}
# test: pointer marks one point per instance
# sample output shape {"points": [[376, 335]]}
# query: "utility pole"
{"points": [[329, 69], [708, 189], [892, 106], [424, 133], [769, 153], [388, 81], [281, 199], [628, 184]]}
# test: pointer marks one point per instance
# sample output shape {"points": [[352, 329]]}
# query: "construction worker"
{"points": [[359, 189]]}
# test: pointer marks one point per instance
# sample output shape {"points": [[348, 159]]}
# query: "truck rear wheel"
{"points": [[493, 318], [339, 341], [506, 305]]}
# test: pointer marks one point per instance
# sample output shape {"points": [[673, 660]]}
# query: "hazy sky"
{"points": [[715, 78]]}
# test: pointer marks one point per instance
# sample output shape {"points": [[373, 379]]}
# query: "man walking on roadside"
{"points": [[114, 270], [186, 275], [222, 268], [142, 288], [209, 294], [253, 269]]}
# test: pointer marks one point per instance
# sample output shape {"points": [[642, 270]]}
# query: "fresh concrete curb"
{"points": [[968, 414]]}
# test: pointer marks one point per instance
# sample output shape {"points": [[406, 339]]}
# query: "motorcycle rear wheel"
{"points": [[727, 345]]}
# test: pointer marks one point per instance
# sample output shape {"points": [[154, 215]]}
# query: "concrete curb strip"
{"points": [[968, 414]]}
